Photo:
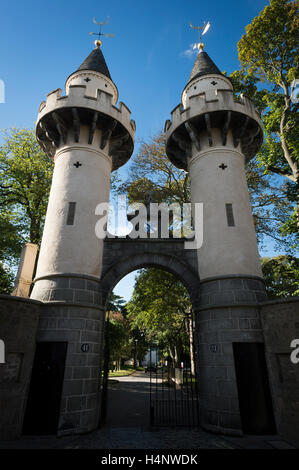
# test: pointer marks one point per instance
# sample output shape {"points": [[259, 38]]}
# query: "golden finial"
{"points": [[98, 42]]}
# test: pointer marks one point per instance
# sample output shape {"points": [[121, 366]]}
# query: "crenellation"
{"points": [[57, 92], [41, 106], [133, 124]]}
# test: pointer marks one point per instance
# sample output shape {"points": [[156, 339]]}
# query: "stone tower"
{"points": [[212, 134], [88, 136]]}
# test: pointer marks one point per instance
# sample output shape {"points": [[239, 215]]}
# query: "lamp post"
{"points": [[135, 355]]}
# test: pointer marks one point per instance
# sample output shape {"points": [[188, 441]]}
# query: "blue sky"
{"points": [[43, 42]]}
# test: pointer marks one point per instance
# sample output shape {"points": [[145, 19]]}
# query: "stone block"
{"points": [[244, 324], [227, 388], [62, 283], [208, 337], [83, 296], [89, 325], [261, 296], [222, 313], [254, 284], [91, 386], [92, 285], [222, 298], [208, 373], [77, 283], [92, 401], [76, 403], [45, 323], [61, 294], [96, 348], [89, 419], [231, 284], [230, 420], [95, 372], [244, 312], [219, 324], [204, 299], [227, 403], [77, 359], [71, 324], [208, 387], [210, 417], [72, 387], [90, 336], [69, 421], [204, 315], [255, 324], [208, 287], [59, 335], [68, 372], [97, 298], [81, 372], [245, 296]]}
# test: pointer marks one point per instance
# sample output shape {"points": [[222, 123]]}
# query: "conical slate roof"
{"points": [[203, 65], [96, 61]]}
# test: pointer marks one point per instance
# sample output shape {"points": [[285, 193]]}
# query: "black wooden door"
{"points": [[43, 404], [253, 388]]}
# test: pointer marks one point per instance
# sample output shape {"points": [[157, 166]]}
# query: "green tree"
{"points": [[6, 280], [153, 174], [269, 55], [281, 275], [115, 302], [120, 343], [25, 178], [158, 307]]}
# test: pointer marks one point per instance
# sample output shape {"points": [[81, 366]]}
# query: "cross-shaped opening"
{"points": [[87, 79], [222, 166], [213, 82], [77, 164]]}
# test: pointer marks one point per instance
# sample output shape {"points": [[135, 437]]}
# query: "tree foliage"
{"points": [[269, 55], [120, 343], [6, 280], [158, 307], [281, 275], [115, 303], [152, 174], [25, 177]]}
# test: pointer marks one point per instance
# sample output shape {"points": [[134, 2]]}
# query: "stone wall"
{"points": [[78, 325], [217, 329], [280, 320], [18, 326]]}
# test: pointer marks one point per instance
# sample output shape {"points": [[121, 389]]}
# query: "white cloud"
{"points": [[190, 52]]}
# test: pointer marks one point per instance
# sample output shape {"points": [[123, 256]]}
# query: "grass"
{"points": [[127, 370]]}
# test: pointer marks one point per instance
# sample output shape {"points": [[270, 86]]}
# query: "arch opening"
{"points": [[159, 354]]}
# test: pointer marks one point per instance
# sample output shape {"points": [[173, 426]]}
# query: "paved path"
{"points": [[128, 401], [128, 428]]}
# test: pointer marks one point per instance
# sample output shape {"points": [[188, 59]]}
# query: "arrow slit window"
{"points": [[71, 213], [230, 215]]}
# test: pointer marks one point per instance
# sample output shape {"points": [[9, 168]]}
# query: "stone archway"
{"points": [[124, 255]]}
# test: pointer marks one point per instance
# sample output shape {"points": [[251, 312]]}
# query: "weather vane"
{"points": [[204, 29], [98, 42]]}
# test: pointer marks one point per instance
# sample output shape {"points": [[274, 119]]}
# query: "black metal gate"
{"points": [[174, 397]]}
